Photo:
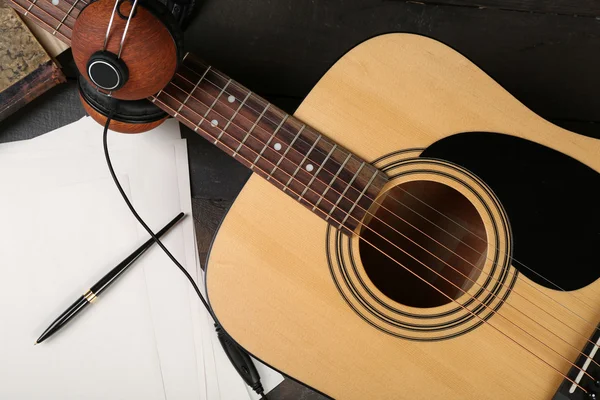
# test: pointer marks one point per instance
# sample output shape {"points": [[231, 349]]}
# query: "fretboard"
{"points": [[55, 16], [328, 179]]}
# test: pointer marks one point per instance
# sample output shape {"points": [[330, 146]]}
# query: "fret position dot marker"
{"points": [[277, 146], [214, 123], [231, 99], [309, 167], [55, 2]]}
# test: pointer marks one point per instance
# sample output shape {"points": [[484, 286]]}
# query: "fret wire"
{"points": [[65, 17], [271, 138], [302, 162], [233, 117], [217, 98], [155, 97], [250, 131], [317, 173], [344, 192], [30, 7], [360, 196], [192, 92], [286, 151], [332, 180]]}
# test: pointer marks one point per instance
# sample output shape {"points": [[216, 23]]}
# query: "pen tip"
{"points": [[35, 344]]}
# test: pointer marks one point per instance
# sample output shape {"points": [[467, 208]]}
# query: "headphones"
{"points": [[126, 51]]}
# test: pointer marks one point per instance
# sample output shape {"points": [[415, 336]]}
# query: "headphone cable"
{"points": [[238, 356]]}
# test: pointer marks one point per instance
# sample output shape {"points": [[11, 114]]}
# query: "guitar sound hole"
{"points": [[428, 229]]}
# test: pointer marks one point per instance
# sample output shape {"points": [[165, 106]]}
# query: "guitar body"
{"points": [[310, 301]]}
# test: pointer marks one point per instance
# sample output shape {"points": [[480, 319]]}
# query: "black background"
{"points": [[545, 52]]}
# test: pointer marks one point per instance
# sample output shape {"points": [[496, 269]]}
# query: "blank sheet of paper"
{"points": [[34, 169], [44, 272], [63, 226]]}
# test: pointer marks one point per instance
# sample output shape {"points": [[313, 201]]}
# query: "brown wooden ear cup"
{"points": [[151, 51], [129, 116]]}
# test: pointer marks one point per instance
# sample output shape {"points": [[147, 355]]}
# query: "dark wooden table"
{"points": [[545, 52]]}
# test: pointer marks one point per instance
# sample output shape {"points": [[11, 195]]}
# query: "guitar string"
{"points": [[283, 128], [426, 235], [417, 259], [192, 124], [573, 295], [410, 255], [366, 195], [475, 235]]}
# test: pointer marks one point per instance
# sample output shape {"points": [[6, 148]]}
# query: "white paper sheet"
{"points": [[64, 217], [55, 164], [40, 279]]}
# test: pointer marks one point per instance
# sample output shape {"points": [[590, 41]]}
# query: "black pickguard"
{"points": [[552, 201]]}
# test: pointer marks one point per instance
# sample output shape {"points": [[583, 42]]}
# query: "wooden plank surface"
{"points": [[566, 7]]}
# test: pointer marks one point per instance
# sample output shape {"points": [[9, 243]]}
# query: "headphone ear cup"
{"points": [[149, 58], [128, 116]]}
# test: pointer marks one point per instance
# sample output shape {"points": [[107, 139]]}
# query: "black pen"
{"points": [[103, 283]]}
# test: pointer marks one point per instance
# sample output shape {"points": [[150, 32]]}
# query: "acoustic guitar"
{"points": [[411, 232]]}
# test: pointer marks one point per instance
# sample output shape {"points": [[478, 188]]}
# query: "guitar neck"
{"points": [[55, 16], [326, 178]]}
